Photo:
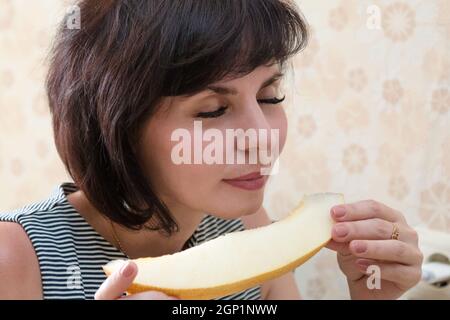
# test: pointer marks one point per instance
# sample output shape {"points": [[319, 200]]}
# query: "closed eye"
{"points": [[272, 100], [221, 110], [213, 114]]}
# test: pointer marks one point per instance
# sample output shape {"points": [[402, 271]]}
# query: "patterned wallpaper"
{"points": [[368, 105]]}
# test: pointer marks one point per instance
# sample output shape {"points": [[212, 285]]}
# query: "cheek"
{"points": [[164, 172], [154, 155]]}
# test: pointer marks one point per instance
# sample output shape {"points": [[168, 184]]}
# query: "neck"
{"points": [[139, 243]]}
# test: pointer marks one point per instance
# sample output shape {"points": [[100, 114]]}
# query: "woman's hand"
{"points": [[363, 236], [117, 283]]}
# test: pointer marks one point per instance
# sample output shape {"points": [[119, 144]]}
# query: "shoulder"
{"points": [[19, 266]]}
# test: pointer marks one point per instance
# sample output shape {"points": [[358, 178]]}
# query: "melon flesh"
{"points": [[239, 260]]}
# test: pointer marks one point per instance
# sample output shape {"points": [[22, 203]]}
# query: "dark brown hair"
{"points": [[107, 78]]}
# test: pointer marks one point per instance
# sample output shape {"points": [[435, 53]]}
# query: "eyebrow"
{"points": [[227, 90]]}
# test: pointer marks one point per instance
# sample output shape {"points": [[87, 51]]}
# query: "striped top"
{"points": [[71, 252]]}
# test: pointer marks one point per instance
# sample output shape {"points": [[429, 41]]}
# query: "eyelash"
{"points": [[221, 110]]}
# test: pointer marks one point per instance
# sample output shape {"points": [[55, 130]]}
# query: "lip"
{"points": [[251, 181]]}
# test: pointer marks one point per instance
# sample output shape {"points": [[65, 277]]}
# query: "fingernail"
{"points": [[360, 247], [341, 230], [339, 211], [126, 270], [363, 263]]}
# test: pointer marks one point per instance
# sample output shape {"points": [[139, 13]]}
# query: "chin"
{"points": [[238, 207]]}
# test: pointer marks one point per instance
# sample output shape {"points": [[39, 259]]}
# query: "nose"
{"points": [[255, 136]]}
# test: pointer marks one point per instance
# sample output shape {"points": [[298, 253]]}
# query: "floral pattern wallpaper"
{"points": [[368, 107]]}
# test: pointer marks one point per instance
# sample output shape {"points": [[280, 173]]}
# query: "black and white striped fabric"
{"points": [[70, 252]]}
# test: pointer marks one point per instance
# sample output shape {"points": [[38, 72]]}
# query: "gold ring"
{"points": [[395, 232]]}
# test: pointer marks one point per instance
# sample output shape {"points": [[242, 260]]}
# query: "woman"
{"points": [[118, 88]]}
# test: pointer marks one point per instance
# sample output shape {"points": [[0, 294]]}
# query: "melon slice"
{"points": [[239, 260]]}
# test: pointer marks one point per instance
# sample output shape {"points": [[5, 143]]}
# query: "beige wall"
{"points": [[369, 114]]}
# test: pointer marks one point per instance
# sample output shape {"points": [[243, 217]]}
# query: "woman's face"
{"points": [[199, 185]]}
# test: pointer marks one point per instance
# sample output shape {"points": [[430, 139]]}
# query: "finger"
{"points": [[149, 295], [371, 229], [117, 283], [388, 250], [339, 247], [347, 265], [346, 260], [366, 209], [404, 276]]}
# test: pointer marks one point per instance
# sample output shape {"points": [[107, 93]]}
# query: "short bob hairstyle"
{"points": [[106, 79]]}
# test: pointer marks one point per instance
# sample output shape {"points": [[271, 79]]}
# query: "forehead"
{"points": [[259, 78], [258, 73]]}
